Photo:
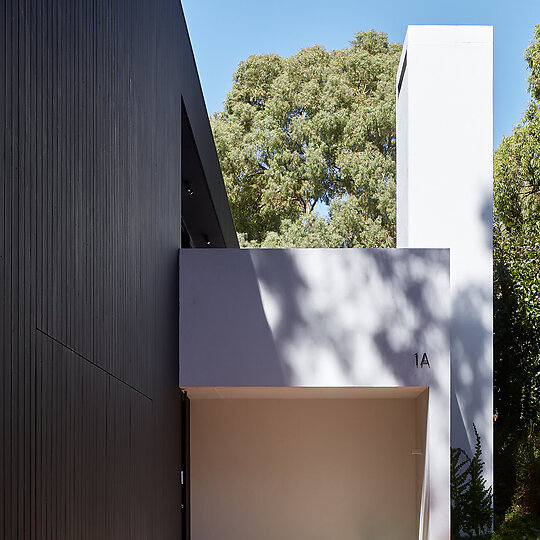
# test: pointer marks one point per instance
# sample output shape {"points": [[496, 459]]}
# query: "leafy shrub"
{"points": [[518, 526], [471, 501], [527, 496]]}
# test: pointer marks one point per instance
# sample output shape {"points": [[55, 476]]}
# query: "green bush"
{"points": [[518, 526], [472, 512], [527, 495]]}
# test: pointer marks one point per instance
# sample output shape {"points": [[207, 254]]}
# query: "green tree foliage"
{"points": [[518, 525], [471, 500], [522, 519], [315, 130], [517, 285], [527, 496]]}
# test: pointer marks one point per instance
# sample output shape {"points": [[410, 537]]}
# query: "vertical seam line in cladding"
{"points": [[44, 262], [38, 259], [112, 375], [3, 334], [56, 178], [19, 357], [75, 157], [19, 289], [93, 215], [6, 403], [12, 487], [33, 281], [68, 231], [27, 273], [3, 318], [43, 273], [8, 231]]}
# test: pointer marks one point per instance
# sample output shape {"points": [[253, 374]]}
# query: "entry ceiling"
{"points": [[289, 392]]}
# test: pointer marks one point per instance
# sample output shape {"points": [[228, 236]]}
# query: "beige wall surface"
{"points": [[272, 469]]}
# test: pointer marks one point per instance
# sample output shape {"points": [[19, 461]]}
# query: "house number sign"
{"points": [[424, 362]]}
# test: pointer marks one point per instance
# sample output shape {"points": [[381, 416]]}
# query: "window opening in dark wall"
{"points": [[200, 225]]}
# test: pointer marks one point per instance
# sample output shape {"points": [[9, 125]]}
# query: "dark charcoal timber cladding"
{"points": [[90, 156]]}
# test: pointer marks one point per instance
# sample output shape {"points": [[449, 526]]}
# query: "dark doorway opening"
{"points": [[184, 467]]}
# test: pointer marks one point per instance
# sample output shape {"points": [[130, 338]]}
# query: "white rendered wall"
{"points": [[444, 179], [303, 469], [325, 318]]}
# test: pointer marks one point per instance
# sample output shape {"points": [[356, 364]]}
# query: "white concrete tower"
{"points": [[444, 179]]}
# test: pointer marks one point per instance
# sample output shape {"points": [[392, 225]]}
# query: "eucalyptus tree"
{"points": [[307, 146]]}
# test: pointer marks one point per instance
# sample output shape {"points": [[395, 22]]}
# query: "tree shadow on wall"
{"points": [[409, 318]]}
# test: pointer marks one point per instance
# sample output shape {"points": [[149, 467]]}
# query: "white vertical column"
{"points": [[444, 183]]}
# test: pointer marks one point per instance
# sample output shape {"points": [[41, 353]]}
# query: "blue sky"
{"points": [[225, 32]]}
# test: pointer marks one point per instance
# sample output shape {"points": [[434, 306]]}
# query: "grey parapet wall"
{"points": [[444, 185], [326, 318]]}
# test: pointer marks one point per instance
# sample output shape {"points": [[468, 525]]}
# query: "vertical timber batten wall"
{"points": [[90, 138]]}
